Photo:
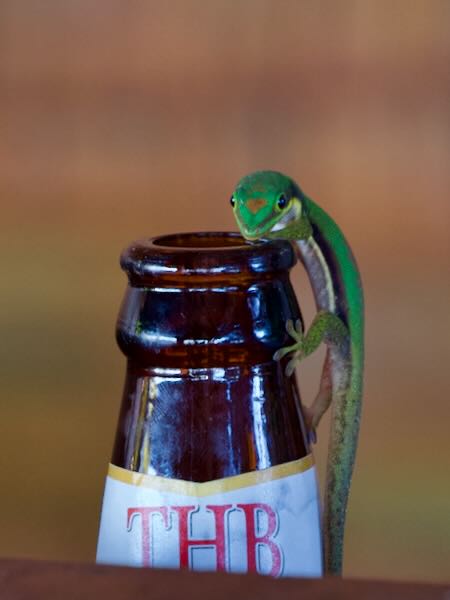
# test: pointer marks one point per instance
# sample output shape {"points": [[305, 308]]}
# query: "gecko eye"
{"points": [[282, 201], [232, 200]]}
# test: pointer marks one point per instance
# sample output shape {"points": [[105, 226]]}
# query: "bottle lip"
{"points": [[204, 253]]}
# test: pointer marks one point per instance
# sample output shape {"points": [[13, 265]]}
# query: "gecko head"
{"points": [[269, 204]]}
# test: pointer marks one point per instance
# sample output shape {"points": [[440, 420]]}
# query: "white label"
{"points": [[265, 521]]}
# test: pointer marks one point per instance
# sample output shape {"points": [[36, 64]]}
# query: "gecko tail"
{"points": [[346, 407]]}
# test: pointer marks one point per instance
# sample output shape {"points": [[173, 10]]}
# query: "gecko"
{"points": [[268, 204]]}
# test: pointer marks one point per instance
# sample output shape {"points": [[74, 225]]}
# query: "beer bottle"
{"points": [[211, 468]]}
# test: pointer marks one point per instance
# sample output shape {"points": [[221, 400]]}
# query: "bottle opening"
{"points": [[205, 254], [202, 239]]}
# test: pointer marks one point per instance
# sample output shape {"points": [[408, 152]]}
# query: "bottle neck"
{"points": [[206, 424]]}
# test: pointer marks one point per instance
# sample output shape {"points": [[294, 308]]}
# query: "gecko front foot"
{"points": [[326, 327], [298, 349]]}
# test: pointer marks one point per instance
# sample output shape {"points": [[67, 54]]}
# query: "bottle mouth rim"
{"points": [[209, 254], [202, 241]]}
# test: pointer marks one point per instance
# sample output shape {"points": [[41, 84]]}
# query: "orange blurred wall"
{"points": [[122, 120]]}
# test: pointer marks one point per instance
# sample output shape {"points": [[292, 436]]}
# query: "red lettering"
{"points": [[146, 526], [253, 540], [218, 542]]}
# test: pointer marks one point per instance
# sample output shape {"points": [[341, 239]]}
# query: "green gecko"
{"points": [[267, 204]]}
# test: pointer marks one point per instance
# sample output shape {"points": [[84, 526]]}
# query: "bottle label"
{"points": [[265, 521]]}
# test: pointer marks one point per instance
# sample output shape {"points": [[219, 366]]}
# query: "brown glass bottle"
{"points": [[201, 319]]}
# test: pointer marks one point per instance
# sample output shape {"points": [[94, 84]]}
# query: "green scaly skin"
{"points": [[270, 205]]}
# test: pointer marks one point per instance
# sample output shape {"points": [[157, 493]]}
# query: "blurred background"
{"points": [[121, 120]]}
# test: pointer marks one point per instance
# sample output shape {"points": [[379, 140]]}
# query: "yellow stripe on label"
{"points": [[209, 488]]}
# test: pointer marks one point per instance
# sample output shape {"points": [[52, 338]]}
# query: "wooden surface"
{"points": [[22, 579]]}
